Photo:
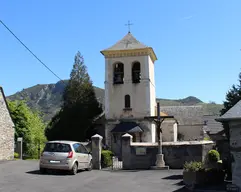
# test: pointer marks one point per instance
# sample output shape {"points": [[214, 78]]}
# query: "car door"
{"points": [[79, 154], [85, 154]]}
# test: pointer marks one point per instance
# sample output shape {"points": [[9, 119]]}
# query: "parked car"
{"points": [[65, 155]]}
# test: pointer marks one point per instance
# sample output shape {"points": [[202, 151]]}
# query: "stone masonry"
{"points": [[6, 130]]}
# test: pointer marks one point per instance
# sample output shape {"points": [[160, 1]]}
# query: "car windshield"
{"points": [[57, 147]]}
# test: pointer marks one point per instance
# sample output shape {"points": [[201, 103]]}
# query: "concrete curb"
{"points": [[211, 190], [204, 190]]}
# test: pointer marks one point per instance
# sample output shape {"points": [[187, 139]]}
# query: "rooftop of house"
{"points": [[212, 126], [232, 114], [188, 115], [185, 115]]}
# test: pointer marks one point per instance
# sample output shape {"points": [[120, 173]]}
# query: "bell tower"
{"points": [[129, 92], [129, 79]]}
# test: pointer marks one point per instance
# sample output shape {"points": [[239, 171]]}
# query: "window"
{"points": [[79, 148], [136, 72], [57, 147], [127, 101], [76, 147], [118, 76], [83, 149]]}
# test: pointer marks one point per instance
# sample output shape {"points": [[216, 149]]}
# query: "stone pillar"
{"points": [[126, 151], [19, 147], [96, 151]]}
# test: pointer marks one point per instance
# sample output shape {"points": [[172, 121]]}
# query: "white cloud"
{"points": [[187, 17]]}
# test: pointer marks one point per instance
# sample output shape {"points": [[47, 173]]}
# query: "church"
{"points": [[130, 97], [129, 92]]}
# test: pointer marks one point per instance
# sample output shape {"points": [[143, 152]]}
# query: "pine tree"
{"points": [[79, 108]]}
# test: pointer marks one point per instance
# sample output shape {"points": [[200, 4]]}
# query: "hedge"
{"points": [[106, 158], [16, 155]]}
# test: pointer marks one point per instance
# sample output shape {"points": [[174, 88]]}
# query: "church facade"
{"points": [[130, 94]]}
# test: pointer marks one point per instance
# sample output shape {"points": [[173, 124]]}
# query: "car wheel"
{"points": [[42, 170], [90, 167], [74, 169]]}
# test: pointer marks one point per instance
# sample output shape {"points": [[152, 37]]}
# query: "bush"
{"points": [[207, 139], [16, 155], [193, 166], [106, 158], [213, 156]]}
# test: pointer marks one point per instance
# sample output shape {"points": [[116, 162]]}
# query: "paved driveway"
{"points": [[23, 176]]}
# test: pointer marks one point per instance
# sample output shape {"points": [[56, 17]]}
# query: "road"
{"points": [[23, 176]]}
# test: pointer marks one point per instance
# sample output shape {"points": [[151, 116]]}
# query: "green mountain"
{"points": [[46, 98]]}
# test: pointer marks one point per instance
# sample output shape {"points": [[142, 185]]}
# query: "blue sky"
{"points": [[197, 42]]}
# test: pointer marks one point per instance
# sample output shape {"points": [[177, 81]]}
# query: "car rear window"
{"points": [[57, 147]]}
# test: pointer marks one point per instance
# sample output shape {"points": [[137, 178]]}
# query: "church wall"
{"points": [[152, 86], [147, 134], [115, 143], [175, 131], [107, 88], [168, 131], [190, 132], [108, 136], [153, 132], [141, 100]]}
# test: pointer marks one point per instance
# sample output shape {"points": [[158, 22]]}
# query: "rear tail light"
{"points": [[70, 155]]}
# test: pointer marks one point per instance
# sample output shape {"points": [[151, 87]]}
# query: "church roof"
{"points": [[212, 126], [232, 114], [129, 127], [127, 42], [185, 115]]}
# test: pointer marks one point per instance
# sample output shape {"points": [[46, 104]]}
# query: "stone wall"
{"points": [[6, 130], [235, 148], [190, 132], [175, 153]]}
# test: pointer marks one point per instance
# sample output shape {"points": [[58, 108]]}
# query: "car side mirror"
{"points": [[90, 153]]}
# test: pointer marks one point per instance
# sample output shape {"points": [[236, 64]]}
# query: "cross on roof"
{"points": [[129, 24]]}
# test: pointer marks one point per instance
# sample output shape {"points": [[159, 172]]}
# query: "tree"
{"points": [[28, 125], [79, 109]]}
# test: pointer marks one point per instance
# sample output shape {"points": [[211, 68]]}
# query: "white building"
{"points": [[129, 91]]}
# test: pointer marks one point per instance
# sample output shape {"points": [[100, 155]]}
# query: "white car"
{"points": [[65, 155]]}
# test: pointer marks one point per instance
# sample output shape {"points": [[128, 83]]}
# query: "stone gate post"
{"points": [[126, 151], [96, 151], [19, 147]]}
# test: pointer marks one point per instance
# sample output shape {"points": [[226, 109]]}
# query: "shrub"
{"points": [[207, 139], [16, 155], [106, 158], [213, 156], [193, 166]]}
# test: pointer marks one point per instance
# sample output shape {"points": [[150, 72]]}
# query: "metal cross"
{"points": [[129, 24]]}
